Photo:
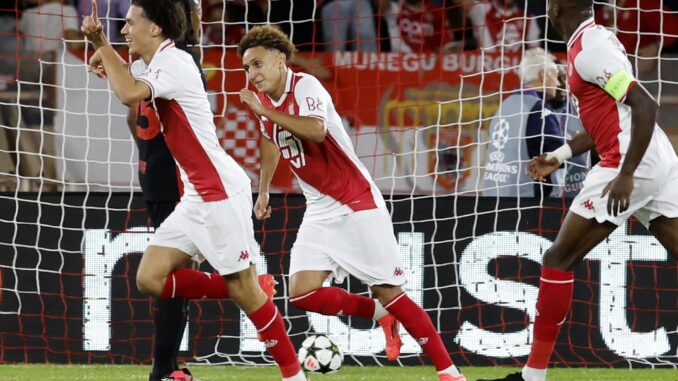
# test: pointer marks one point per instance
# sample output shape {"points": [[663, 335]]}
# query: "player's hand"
{"points": [[92, 29], [95, 65], [539, 167], [249, 98], [262, 210], [619, 191]]}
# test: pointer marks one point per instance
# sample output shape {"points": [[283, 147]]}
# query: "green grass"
{"points": [[240, 373]]}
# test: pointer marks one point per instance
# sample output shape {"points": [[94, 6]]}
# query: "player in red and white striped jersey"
{"points": [[213, 217], [637, 174], [346, 228]]}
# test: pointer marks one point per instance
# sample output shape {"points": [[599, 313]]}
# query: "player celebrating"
{"points": [[346, 227], [214, 215], [637, 174]]}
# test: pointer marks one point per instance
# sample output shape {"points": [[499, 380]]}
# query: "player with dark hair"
{"points": [[214, 215], [346, 227], [637, 173]]}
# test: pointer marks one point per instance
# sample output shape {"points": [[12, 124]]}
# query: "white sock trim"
{"points": [[302, 296], [556, 281], [394, 300], [174, 286], [533, 374], [379, 310], [452, 370], [270, 322]]}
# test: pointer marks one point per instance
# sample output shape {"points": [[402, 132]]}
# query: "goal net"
{"points": [[418, 85]]}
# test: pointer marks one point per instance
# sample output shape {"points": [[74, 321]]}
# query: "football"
{"points": [[319, 354]]}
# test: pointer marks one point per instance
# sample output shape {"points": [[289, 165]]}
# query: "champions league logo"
{"points": [[500, 134]]}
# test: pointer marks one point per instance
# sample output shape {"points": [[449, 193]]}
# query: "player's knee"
{"points": [[299, 289], [556, 258], [386, 293], [148, 285], [302, 283]]}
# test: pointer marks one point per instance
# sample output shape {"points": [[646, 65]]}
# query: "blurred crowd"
{"points": [[33, 33]]}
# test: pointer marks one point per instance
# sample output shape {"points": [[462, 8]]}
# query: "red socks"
{"points": [[553, 304], [194, 284], [271, 327], [335, 301], [417, 322]]}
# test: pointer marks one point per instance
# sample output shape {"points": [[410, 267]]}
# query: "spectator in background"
{"points": [[235, 16], [643, 27], [10, 45], [573, 174], [48, 28], [111, 12], [423, 26], [525, 126], [295, 19], [349, 25], [502, 25], [47, 23]]}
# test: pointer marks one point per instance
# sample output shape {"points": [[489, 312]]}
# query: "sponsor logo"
{"points": [[422, 340], [398, 271], [588, 204], [270, 343], [244, 255]]}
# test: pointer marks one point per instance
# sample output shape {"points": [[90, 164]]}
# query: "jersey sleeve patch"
{"points": [[312, 98], [618, 84]]}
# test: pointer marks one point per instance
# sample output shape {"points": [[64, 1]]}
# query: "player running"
{"points": [[637, 174], [346, 228], [214, 215]]}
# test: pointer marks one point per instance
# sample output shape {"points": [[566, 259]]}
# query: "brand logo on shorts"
{"points": [[588, 204], [398, 272], [422, 340], [244, 255], [270, 343]]}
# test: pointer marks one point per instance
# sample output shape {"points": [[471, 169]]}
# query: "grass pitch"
{"points": [[241, 373]]}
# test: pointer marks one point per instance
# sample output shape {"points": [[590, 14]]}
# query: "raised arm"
{"points": [[125, 87]]}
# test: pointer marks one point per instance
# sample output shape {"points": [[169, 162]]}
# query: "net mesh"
{"points": [[417, 84]]}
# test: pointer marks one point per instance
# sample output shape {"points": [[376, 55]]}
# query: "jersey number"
{"points": [[291, 147]]}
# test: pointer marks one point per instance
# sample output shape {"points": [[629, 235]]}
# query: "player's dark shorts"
{"points": [[158, 211]]}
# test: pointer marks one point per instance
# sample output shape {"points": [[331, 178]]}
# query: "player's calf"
{"points": [[417, 322]]}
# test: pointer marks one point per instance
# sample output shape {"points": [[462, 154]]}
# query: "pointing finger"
{"points": [[95, 13]]}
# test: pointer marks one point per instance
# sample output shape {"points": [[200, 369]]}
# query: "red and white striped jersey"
{"points": [[207, 172], [334, 181], [594, 56], [502, 28]]}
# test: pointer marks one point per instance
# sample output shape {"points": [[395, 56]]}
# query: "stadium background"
{"points": [[71, 239]]}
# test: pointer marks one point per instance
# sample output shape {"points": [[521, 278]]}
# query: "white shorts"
{"points": [[222, 231], [361, 244], [651, 197]]}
